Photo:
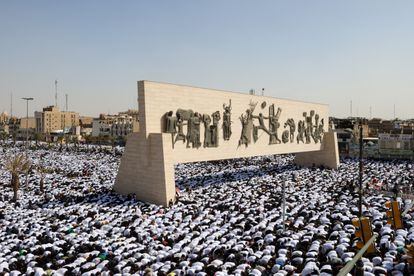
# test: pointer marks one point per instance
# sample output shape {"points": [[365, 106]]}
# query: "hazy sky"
{"points": [[320, 51]]}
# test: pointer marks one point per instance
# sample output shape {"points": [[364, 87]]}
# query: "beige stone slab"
{"points": [[147, 167]]}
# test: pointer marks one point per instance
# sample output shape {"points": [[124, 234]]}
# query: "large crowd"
{"points": [[228, 218]]}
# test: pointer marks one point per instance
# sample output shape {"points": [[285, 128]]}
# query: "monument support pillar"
{"points": [[328, 156], [146, 169]]}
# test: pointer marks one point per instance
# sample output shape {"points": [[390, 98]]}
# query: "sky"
{"points": [[330, 52]]}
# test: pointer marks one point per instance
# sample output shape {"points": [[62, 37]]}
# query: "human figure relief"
{"points": [[227, 121], [274, 125], [292, 127], [193, 131]]}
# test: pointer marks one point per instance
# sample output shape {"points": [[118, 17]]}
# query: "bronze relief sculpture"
{"points": [[193, 131], [227, 121], [247, 125], [308, 129], [274, 125], [292, 128]]}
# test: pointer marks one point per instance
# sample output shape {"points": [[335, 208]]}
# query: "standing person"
{"points": [[395, 190]]}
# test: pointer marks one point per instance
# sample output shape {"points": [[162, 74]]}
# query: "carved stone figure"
{"points": [[193, 131], [170, 123], [318, 132], [263, 105], [216, 118], [247, 125], [321, 131], [261, 126], [207, 133], [274, 125], [185, 114], [211, 131], [314, 133], [180, 125], [246, 129], [309, 130], [214, 129], [301, 132], [227, 121], [285, 136], [292, 127], [309, 126]]}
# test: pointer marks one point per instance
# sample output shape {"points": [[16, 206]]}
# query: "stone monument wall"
{"points": [[181, 124]]}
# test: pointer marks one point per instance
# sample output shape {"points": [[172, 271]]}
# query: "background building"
{"points": [[4, 118], [390, 139], [51, 119], [4, 124], [116, 126], [27, 126], [396, 145], [85, 124]]}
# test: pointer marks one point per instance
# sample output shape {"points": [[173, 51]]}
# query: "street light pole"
{"points": [[27, 121], [360, 167], [27, 134], [284, 205]]}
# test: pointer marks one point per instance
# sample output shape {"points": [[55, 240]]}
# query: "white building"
{"points": [[396, 144], [114, 125]]}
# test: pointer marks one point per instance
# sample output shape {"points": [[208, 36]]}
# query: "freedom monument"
{"points": [[179, 124]]}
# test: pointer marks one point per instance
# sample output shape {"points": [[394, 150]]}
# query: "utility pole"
{"points": [[27, 134], [56, 93], [27, 121], [284, 205], [394, 112], [360, 166], [11, 104], [64, 120], [66, 105]]}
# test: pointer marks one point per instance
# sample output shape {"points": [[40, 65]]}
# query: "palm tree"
{"points": [[76, 142], [16, 165], [42, 172], [38, 137], [3, 136]]}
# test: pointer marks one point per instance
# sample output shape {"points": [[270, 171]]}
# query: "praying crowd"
{"points": [[227, 219]]}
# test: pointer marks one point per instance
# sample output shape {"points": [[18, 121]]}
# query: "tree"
{"points": [[100, 140], [16, 165], [38, 137], [75, 141], [60, 142], [112, 139], [3, 136], [42, 172]]}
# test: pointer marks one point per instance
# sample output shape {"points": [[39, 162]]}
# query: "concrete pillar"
{"points": [[328, 156], [146, 169]]}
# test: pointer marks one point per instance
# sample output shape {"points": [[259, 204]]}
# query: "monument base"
{"points": [[145, 171], [327, 157]]}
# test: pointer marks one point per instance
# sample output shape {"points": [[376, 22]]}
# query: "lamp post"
{"points": [[27, 121], [360, 175], [27, 134], [360, 167], [284, 205]]}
